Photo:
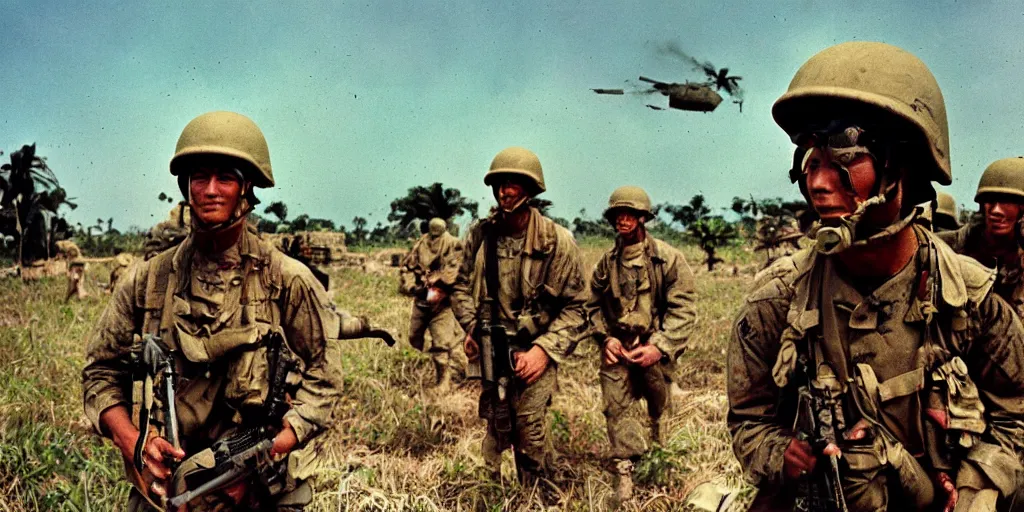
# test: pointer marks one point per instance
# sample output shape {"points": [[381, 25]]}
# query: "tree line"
{"points": [[33, 204]]}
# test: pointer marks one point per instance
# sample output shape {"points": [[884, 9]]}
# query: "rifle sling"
{"points": [[491, 270]]}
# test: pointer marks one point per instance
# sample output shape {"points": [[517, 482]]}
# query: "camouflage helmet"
{"points": [[1004, 176], [946, 205], [228, 134], [520, 162], [634, 198], [861, 73], [437, 226]]}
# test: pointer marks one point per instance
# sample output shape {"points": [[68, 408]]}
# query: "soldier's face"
{"points": [[1001, 216], [510, 194], [626, 223], [214, 194], [829, 195]]}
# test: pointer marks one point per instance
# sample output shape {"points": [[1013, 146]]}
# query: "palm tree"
{"points": [[424, 203], [30, 197], [712, 233]]}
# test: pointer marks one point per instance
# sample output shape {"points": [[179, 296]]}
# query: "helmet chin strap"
{"points": [[519, 204], [833, 239]]}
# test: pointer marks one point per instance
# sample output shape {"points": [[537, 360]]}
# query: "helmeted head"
{"points": [[947, 215], [436, 227], [515, 176], [1000, 196], [219, 153], [629, 207], [870, 124]]}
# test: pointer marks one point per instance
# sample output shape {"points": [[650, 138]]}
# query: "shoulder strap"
{"points": [[490, 236]]}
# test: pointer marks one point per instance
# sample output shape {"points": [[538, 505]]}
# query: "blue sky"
{"points": [[360, 101]]}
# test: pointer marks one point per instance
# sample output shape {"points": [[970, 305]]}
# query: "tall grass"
{"points": [[395, 446]]}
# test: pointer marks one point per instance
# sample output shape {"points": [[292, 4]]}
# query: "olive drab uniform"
{"points": [[214, 310], [968, 366], [1003, 178], [970, 241], [542, 293], [640, 294], [121, 264], [437, 259]]}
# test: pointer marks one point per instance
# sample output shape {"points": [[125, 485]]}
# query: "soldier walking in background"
{"points": [[122, 262], [946, 216], [521, 281], [428, 274], [217, 302], [878, 371], [994, 238], [641, 311]]}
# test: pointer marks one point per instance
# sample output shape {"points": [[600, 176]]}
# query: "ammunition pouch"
{"points": [[963, 403], [885, 451]]}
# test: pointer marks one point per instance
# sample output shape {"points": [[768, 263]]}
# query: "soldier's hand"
{"points": [[948, 487], [798, 460], [284, 441], [645, 355], [156, 455], [471, 347], [855, 433], [530, 365], [612, 351]]}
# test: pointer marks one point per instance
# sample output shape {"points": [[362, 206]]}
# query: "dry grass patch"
{"points": [[394, 447]]}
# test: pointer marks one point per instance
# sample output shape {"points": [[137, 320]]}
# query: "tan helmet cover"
{"points": [[520, 162], [1004, 176], [634, 198], [436, 227], [229, 134], [880, 75], [946, 205]]}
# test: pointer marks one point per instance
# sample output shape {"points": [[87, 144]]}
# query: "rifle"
{"points": [[497, 363], [819, 417], [152, 361], [248, 452], [497, 371]]}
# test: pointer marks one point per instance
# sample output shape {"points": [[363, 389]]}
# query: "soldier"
{"points": [[641, 311], [122, 260], [993, 238], [428, 274], [538, 299], [877, 358], [169, 232], [214, 299], [946, 216]]}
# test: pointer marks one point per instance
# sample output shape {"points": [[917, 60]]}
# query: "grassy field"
{"points": [[395, 447]]}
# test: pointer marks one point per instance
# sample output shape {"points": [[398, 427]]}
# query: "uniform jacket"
{"points": [[978, 326], [671, 287], [970, 241], [550, 279], [440, 257], [215, 318]]}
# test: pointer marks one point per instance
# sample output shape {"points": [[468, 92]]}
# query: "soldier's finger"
{"points": [[158, 489], [858, 432], [153, 451], [831, 449], [155, 468], [610, 357], [954, 496], [166, 448]]}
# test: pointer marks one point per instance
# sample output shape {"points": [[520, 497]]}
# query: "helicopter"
{"points": [[697, 97]]}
